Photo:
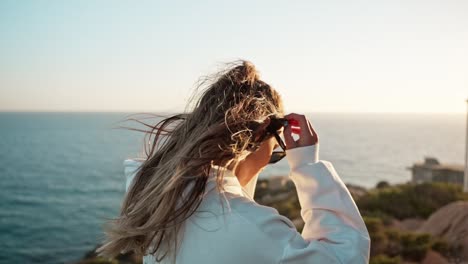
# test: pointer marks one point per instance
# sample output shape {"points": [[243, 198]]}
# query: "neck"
{"points": [[242, 172]]}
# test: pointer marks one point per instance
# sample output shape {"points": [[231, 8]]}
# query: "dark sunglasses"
{"points": [[272, 128]]}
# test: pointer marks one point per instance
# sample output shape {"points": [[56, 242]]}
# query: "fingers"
{"points": [[296, 130], [304, 127], [307, 135], [288, 138], [314, 134]]}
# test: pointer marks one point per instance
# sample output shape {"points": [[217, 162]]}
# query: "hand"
{"points": [[307, 134]]}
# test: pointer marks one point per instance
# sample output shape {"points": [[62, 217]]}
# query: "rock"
{"points": [[433, 257], [409, 224], [450, 223]]}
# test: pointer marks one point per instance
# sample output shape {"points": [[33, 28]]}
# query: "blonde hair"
{"points": [[218, 129]]}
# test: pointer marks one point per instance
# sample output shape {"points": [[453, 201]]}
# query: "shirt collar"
{"points": [[231, 183]]}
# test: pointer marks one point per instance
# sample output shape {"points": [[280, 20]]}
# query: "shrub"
{"points": [[391, 242], [382, 184], [410, 200], [383, 259], [378, 237], [415, 246], [441, 246]]}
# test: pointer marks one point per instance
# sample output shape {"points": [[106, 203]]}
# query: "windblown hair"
{"points": [[219, 129]]}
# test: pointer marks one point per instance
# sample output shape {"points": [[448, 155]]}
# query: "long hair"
{"points": [[217, 129]]}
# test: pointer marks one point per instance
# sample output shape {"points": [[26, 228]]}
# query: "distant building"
{"points": [[431, 170]]}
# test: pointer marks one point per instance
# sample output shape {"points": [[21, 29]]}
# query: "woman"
{"points": [[209, 160]]}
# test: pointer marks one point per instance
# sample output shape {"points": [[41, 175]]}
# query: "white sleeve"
{"points": [[334, 231]]}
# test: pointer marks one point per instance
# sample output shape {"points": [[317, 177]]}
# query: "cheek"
{"points": [[263, 154]]}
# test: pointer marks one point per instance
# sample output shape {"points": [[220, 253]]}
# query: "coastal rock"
{"points": [[450, 223], [409, 224], [433, 257]]}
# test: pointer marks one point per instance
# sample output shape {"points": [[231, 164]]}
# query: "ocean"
{"points": [[62, 174]]}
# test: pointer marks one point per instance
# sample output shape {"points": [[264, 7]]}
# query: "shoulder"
{"points": [[241, 230], [263, 222], [261, 216]]}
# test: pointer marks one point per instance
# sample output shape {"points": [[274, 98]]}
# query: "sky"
{"points": [[322, 56]]}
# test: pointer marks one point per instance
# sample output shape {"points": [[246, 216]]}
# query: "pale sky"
{"points": [[322, 56]]}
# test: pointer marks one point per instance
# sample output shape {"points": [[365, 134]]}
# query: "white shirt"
{"points": [[248, 232]]}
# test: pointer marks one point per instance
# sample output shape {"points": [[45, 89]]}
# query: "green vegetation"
{"points": [[409, 200], [392, 243], [383, 259], [380, 206]]}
